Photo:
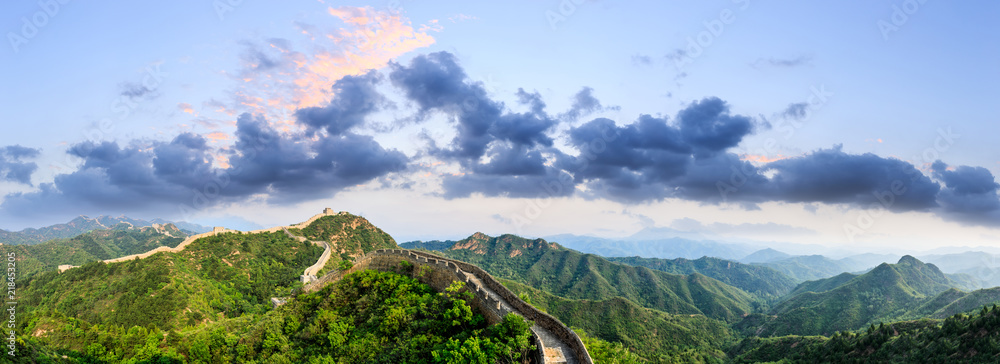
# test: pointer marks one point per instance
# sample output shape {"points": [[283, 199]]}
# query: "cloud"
{"points": [[584, 103], [289, 170], [355, 97], [641, 60], [135, 90], [501, 152], [796, 111], [179, 175], [832, 176], [651, 159], [276, 78], [436, 83], [12, 168], [185, 107], [768, 229], [783, 63], [969, 193]]}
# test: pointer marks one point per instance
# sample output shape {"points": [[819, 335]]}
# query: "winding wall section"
{"points": [[558, 343]]}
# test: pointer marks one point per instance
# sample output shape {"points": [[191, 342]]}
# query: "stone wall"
{"points": [[444, 271], [217, 230]]}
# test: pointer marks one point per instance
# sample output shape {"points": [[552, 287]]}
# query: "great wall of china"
{"points": [[555, 341]]}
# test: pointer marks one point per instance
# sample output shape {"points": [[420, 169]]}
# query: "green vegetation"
{"points": [[807, 267], [968, 338], [226, 275], [367, 317], [649, 335], [432, 245], [349, 236], [604, 352], [906, 290], [350, 233], [763, 282], [570, 274], [91, 246]]}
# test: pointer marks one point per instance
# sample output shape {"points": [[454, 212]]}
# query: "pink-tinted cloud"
{"points": [[277, 78]]}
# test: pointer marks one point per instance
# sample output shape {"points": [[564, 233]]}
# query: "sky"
{"points": [[858, 125]]}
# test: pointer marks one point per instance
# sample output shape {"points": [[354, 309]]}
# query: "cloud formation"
{"points": [[179, 175], [12, 168], [512, 143], [584, 103], [969, 193]]}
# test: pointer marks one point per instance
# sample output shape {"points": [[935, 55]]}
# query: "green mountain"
{"points": [[653, 243], [888, 291], [349, 237], [966, 338], [762, 282], [808, 267], [764, 256], [654, 335], [366, 317], [571, 274], [118, 241], [217, 283], [432, 245]]}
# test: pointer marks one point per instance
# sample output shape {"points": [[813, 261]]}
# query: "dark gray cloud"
{"points": [[969, 192], [512, 142], [707, 125], [155, 176], [290, 170], [584, 103], [135, 90], [651, 159], [796, 111], [832, 176], [355, 97], [12, 168]]}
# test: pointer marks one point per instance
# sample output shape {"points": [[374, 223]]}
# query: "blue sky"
{"points": [[765, 121]]}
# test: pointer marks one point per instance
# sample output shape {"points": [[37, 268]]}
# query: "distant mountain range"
{"points": [[909, 289], [94, 245], [83, 224]]}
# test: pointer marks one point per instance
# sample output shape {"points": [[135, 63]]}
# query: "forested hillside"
{"points": [[848, 302], [121, 240], [762, 282], [964, 338], [570, 274]]}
